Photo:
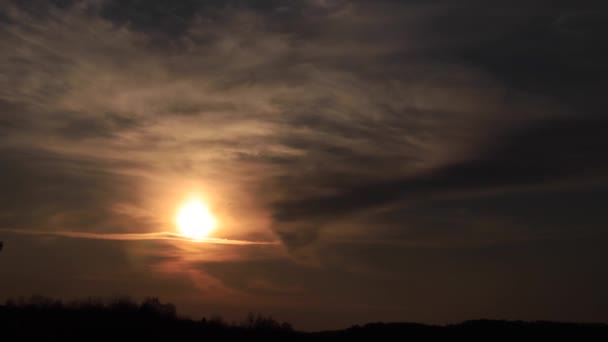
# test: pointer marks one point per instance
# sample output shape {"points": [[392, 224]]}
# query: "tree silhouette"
{"points": [[96, 319]]}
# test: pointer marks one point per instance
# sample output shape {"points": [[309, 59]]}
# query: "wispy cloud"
{"points": [[299, 115], [136, 237]]}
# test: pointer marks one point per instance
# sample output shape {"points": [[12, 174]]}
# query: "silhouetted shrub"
{"points": [[123, 305], [259, 322], [152, 306]]}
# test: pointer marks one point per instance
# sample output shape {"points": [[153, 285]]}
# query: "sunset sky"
{"points": [[357, 161]]}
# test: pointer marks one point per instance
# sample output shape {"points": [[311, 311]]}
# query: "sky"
{"points": [[422, 161]]}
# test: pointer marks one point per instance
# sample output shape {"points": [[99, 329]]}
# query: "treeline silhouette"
{"points": [[95, 319], [99, 319]]}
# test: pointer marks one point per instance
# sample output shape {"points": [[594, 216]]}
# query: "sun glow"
{"points": [[195, 221]]}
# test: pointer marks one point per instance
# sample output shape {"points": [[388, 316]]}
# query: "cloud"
{"points": [[333, 112], [50, 191], [140, 237]]}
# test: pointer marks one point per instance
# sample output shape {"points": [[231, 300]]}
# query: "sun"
{"points": [[195, 221]]}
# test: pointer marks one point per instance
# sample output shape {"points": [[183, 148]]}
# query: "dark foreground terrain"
{"points": [[97, 320]]}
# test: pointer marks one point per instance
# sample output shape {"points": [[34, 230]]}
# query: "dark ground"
{"points": [[99, 320]]}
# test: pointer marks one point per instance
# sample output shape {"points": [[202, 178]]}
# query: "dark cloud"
{"points": [[45, 190], [542, 154], [99, 127], [530, 47]]}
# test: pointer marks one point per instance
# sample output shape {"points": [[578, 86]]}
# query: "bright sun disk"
{"points": [[195, 220]]}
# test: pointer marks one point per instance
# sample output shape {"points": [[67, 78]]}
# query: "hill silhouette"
{"points": [[95, 319]]}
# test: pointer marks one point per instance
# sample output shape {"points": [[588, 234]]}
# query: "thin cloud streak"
{"points": [[138, 237]]}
